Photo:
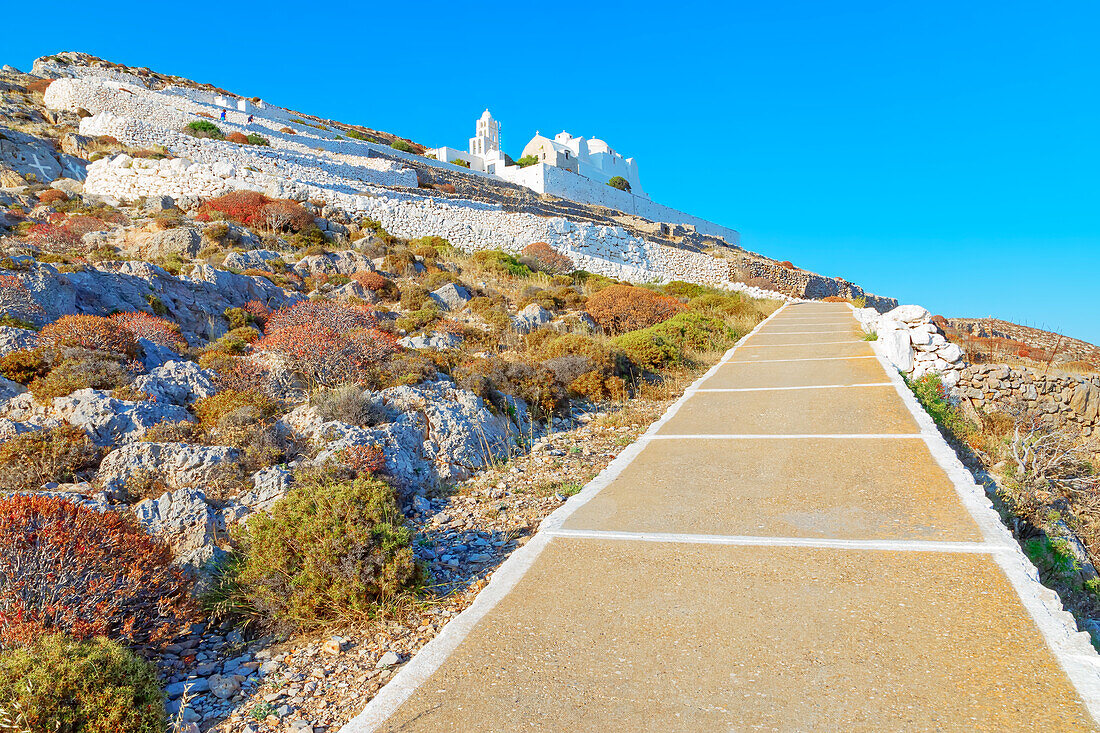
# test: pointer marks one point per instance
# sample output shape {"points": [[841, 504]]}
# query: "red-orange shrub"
{"points": [[81, 225], [364, 460], [547, 259], [257, 310], [50, 195], [39, 85], [160, 331], [621, 308], [65, 567], [372, 281], [787, 264], [237, 137], [327, 343], [53, 238], [89, 332], [240, 205]]}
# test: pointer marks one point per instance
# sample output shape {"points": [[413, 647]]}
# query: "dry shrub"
{"points": [[259, 312], [24, 366], [160, 331], [52, 195], [39, 86], [237, 137], [787, 265], [16, 300], [242, 206], [282, 216], [89, 332], [494, 379], [378, 284], [57, 454], [621, 308], [362, 460], [349, 404], [540, 256], [327, 344], [168, 431], [65, 567], [80, 369]]}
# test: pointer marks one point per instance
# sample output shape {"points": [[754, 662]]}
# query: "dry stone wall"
{"points": [[1068, 400], [803, 284]]}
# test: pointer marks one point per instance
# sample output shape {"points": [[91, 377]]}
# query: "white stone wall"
{"points": [[315, 165], [559, 182], [913, 344]]}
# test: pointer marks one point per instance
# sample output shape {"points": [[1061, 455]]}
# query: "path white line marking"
{"points": [[1072, 648], [784, 436], [765, 541], [805, 386], [425, 662], [801, 333], [822, 343], [809, 358]]}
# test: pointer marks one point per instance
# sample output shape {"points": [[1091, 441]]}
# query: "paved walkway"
{"points": [[791, 548]]}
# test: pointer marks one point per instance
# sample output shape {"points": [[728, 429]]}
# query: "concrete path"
{"points": [[792, 547]]}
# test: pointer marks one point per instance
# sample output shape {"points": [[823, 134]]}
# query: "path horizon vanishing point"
{"points": [[793, 546]]}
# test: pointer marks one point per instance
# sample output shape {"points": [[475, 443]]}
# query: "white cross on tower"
{"points": [[43, 171]]}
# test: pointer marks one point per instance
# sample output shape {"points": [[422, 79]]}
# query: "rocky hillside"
{"points": [[298, 440]]}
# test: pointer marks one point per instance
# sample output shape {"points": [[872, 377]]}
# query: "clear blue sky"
{"points": [[943, 153]]}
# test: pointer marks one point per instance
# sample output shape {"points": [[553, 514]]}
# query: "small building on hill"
{"points": [[592, 158]]}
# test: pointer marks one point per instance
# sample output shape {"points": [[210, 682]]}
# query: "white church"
{"points": [[572, 168], [592, 158]]}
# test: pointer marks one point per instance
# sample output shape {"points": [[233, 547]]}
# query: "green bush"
{"points": [[403, 145], [61, 685], [527, 160], [461, 163], [619, 182], [668, 342], [330, 549], [254, 139], [648, 349], [681, 289], [501, 263], [204, 128], [932, 396]]}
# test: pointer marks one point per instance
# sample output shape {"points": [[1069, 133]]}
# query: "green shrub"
{"points": [[619, 182], [697, 332], [681, 289], [204, 128], [61, 685], [932, 396], [403, 145], [330, 549], [29, 460], [647, 349], [254, 139], [238, 318], [527, 160], [500, 263]]}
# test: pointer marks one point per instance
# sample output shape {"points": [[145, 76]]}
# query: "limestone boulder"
{"points": [[16, 339], [177, 383], [177, 465], [437, 340], [254, 259], [36, 159], [532, 317], [896, 346], [451, 297], [909, 314], [344, 262], [184, 520], [182, 241], [108, 421]]}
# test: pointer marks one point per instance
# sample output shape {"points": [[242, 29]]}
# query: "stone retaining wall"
{"points": [[803, 284], [1069, 400]]}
